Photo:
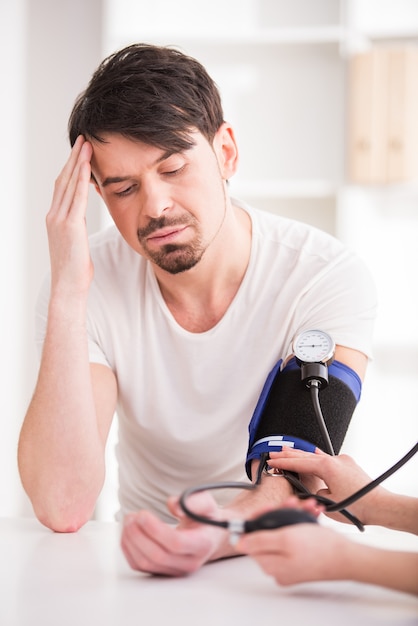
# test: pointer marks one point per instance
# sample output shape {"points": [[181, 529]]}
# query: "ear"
{"points": [[226, 150]]}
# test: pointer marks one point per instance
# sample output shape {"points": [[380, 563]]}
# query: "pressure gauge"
{"points": [[314, 346]]}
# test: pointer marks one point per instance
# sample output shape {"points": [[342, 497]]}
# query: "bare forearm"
{"points": [[60, 447], [387, 568], [395, 511]]}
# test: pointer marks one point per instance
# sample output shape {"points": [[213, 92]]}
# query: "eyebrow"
{"points": [[111, 180]]}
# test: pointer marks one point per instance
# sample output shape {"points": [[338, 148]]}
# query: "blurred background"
{"points": [[323, 95]]}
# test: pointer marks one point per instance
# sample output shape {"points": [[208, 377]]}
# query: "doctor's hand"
{"points": [[311, 552], [155, 547], [299, 553], [295, 553], [341, 475], [71, 266]]}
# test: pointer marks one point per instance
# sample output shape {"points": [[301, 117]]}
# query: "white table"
{"points": [[79, 579]]}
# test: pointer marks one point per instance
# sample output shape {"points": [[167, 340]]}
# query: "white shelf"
{"points": [[284, 188], [261, 36], [298, 35], [392, 33]]}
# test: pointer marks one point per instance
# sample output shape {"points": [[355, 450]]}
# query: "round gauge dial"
{"points": [[314, 346]]}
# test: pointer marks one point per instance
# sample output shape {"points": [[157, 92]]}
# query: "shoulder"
{"points": [[296, 253], [291, 238]]}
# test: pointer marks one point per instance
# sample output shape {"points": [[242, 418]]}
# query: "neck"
{"points": [[199, 298]]}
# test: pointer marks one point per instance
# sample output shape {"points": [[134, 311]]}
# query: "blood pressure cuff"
{"points": [[285, 416]]}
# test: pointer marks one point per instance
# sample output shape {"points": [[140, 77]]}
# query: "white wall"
{"points": [[12, 253], [48, 50]]}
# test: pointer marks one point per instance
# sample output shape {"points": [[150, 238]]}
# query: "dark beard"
{"points": [[176, 259], [172, 258]]}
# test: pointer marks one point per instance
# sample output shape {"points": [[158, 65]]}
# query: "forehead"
{"points": [[115, 147], [118, 155], [116, 143]]}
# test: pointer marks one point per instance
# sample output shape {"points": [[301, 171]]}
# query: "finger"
{"points": [[141, 552], [301, 461], [69, 180], [287, 452], [145, 555], [201, 503], [174, 507], [153, 546], [302, 465], [81, 192], [66, 172], [76, 193]]}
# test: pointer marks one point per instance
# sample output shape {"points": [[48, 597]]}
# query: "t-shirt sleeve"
{"points": [[96, 354], [342, 300]]}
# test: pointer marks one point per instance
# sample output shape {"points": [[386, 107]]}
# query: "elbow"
{"points": [[61, 505], [63, 513], [63, 519]]}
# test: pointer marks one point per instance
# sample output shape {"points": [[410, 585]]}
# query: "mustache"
{"points": [[158, 223]]}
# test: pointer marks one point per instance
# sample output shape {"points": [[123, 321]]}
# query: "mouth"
{"points": [[166, 235]]}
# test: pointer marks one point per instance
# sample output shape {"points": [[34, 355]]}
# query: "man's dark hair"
{"points": [[153, 94]]}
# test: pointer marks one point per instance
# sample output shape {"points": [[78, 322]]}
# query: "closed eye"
{"points": [[174, 172], [125, 192]]}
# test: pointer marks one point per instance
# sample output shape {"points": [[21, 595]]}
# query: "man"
{"points": [[173, 317]]}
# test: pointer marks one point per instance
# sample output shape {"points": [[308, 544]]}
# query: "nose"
{"points": [[155, 198]]}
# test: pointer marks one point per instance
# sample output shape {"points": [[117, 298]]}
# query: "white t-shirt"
{"points": [[186, 399]]}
